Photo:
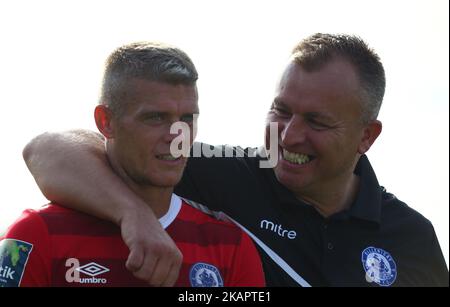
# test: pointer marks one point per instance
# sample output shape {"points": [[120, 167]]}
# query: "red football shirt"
{"points": [[55, 246]]}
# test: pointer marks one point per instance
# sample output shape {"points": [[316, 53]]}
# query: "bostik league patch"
{"points": [[13, 260]]}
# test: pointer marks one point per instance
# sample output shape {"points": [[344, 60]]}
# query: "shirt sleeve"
{"points": [[25, 253], [437, 268], [247, 269]]}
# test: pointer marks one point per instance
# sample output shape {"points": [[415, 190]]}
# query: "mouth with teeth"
{"points": [[297, 158], [167, 157]]}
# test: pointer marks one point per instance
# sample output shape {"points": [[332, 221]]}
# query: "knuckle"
{"points": [[143, 275], [178, 257]]}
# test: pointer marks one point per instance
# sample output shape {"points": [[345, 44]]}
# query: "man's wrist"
{"points": [[133, 210]]}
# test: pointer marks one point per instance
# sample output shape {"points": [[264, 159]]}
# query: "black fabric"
{"points": [[324, 252]]}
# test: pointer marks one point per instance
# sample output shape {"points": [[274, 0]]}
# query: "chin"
{"points": [[292, 182], [167, 182]]}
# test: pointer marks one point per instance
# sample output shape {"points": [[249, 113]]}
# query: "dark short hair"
{"points": [[317, 50], [143, 60]]}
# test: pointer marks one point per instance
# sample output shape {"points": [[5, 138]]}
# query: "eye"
{"points": [[281, 112], [317, 125], [188, 118], [153, 117]]}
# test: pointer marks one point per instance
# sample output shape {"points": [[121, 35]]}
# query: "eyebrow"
{"points": [[164, 114], [314, 115], [279, 103], [151, 112], [320, 116]]}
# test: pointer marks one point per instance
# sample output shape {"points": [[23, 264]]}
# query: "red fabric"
{"points": [[58, 234]]}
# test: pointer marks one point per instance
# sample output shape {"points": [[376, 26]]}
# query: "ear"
{"points": [[104, 120], [370, 134]]}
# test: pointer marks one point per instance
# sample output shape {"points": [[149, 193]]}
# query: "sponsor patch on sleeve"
{"points": [[13, 260]]}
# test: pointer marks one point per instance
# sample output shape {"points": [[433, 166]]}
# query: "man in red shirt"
{"points": [[147, 87]]}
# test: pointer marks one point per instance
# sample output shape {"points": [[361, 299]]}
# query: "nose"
{"points": [[293, 132], [179, 130], [170, 136]]}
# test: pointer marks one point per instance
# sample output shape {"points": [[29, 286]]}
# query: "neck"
{"points": [[337, 198], [157, 198]]}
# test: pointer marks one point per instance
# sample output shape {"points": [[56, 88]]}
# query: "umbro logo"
{"points": [[278, 229], [91, 269]]}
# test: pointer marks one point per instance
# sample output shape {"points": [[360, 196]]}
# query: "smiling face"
{"points": [[139, 139], [320, 134]]}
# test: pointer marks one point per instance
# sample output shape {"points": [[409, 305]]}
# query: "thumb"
{"points": [[135, 259]]}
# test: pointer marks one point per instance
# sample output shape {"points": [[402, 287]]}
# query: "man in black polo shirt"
{"points": [[318, 214]]}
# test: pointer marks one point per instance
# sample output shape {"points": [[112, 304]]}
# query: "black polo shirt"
{"points": [[379, 241]]}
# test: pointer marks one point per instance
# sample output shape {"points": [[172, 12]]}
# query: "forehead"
{"points": [[334, 83], [160, 96]]}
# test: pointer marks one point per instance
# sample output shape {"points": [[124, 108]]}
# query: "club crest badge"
{"points": [[379, 266], [205, 275]]}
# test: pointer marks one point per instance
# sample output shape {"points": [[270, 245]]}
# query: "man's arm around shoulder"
{"points": [[71, 168]]}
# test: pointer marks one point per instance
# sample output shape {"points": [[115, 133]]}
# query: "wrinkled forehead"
{"points": [[161, 96], [332, 89], [337, 71], [337, 78]]}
